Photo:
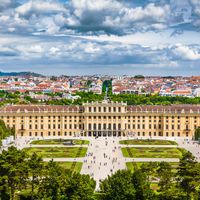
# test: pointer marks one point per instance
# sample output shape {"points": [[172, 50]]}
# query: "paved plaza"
{"points": [[104, 156]]}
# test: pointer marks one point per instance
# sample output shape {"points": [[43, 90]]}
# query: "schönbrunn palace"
{"points": [[102, 119]]}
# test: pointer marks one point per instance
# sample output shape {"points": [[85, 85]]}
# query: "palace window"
{"points": [[149, 126], [89, 126]]}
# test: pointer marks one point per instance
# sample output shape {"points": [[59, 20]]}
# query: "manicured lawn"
{"points": [[75, 166], [59, 141], [148, 142], [131, 165], [58, 152], [154, 152]]}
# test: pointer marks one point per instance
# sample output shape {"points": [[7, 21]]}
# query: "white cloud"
{"points": [[186, 53], [112, 15], [39, 7], [196, 6], [5, 4]]}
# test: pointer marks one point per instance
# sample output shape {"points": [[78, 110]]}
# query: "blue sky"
{"points": [[114, 37]]}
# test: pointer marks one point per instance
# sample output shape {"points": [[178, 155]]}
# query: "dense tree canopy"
{"points": [[131, 99], [5, 131], [28, 177]]}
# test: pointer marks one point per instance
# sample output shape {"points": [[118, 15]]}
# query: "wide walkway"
{"points": [[104, 157]]}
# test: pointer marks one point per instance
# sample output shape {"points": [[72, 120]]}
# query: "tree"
{"points": [[197, 134], [5, 131], [13, 171], [35, 168], [165, 175], [142, 186], [60, 184], [149, 169], [169, 189], [49, 187], [189, 174], [77, 186], [119, 186]]}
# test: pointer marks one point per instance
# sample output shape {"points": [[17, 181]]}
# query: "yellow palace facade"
{"points": [[102, 119]]}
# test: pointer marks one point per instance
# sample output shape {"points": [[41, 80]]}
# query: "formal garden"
{"points": [[147, 142], [58, 152], [152, 152], [60, 142]]}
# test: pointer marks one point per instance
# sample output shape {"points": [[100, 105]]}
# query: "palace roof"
{"points": [[182, 108], [40, 108], [72, 108]]}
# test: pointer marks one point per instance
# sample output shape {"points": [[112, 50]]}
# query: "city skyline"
{"points": [[52, 37]]}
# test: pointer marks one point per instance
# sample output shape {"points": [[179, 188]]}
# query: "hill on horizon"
{"points": [[20, 74]]}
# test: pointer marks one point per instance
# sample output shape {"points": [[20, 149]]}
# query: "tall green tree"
{"points": [[142, 186], [49, 187], [189, 177], [35, 169], [5, 131], [166, 176], [13, 171], [77, 186], [119, 186], [197, 134]]}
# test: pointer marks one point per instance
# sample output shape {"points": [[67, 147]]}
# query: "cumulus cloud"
{"points": [[85, 16], [97, 16], [5, 4], [196, 6], [36, 7], [111, 16], [186, 52]]}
